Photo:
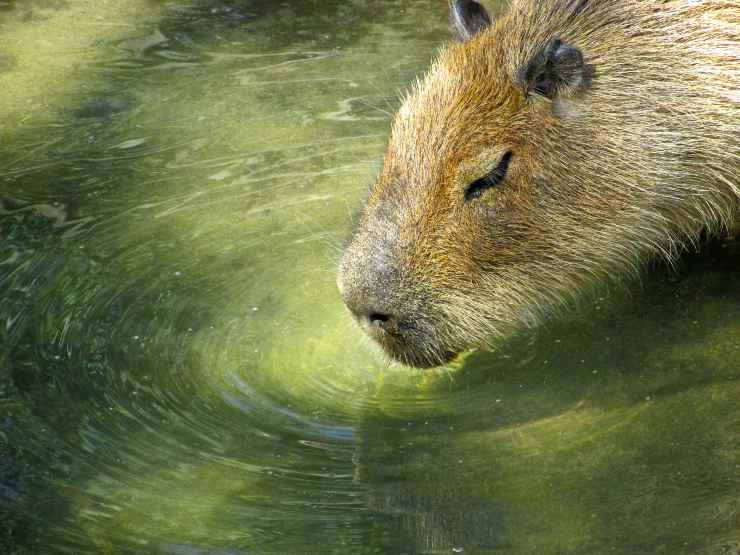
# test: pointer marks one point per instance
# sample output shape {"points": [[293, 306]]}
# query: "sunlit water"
{"points": [[179, 375]]}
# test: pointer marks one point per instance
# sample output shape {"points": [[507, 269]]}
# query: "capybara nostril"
{"points": [[368, 315], [384, 322], [377, 317]]}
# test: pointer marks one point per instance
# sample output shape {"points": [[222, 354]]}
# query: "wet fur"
{"points": [[635, 162]]}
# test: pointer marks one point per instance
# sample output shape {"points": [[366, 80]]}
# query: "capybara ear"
{"points": [[468, 18], [557, 69]]}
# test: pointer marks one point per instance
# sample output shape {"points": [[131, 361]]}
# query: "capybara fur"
{"points": [[564, 143]]}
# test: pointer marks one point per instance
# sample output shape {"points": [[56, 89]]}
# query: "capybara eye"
{"points": [[494, 177]]}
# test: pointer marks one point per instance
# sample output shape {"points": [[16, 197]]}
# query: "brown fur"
{"points": [[636, 164]]}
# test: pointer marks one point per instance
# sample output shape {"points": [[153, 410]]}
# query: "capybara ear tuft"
{"points": [[558, 69], [468, 18]]}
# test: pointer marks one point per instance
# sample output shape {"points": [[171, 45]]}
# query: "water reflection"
{"points": [[599, 434], [178, 373]]}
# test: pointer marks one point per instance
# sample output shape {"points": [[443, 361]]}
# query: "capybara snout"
{"points": [[388, 301]]}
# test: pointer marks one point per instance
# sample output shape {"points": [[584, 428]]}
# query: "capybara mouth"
{"points": [[409, 356], [410, 346]]}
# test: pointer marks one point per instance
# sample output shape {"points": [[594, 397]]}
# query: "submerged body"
{"points": [[565, 143]]}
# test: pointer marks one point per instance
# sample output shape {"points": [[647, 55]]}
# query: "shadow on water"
{"points": [[54, 359]]}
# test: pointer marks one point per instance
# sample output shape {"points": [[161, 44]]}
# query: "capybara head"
{"points": [[503, 187]]}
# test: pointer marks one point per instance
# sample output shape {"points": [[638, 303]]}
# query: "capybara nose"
{"points": [[373, 320], [369, 286]]}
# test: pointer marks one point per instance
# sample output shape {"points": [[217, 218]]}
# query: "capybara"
{"points": [[566, 142]]}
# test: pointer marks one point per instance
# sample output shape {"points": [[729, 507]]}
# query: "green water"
{"points": [[177, 372]]}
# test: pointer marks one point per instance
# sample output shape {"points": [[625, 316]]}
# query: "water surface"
{"points": [[177, 373]]}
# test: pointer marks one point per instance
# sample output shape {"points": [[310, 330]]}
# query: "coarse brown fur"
{"points": [[636, 163]]}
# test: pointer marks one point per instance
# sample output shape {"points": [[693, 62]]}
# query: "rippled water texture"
{"points": [[178, 373]]}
